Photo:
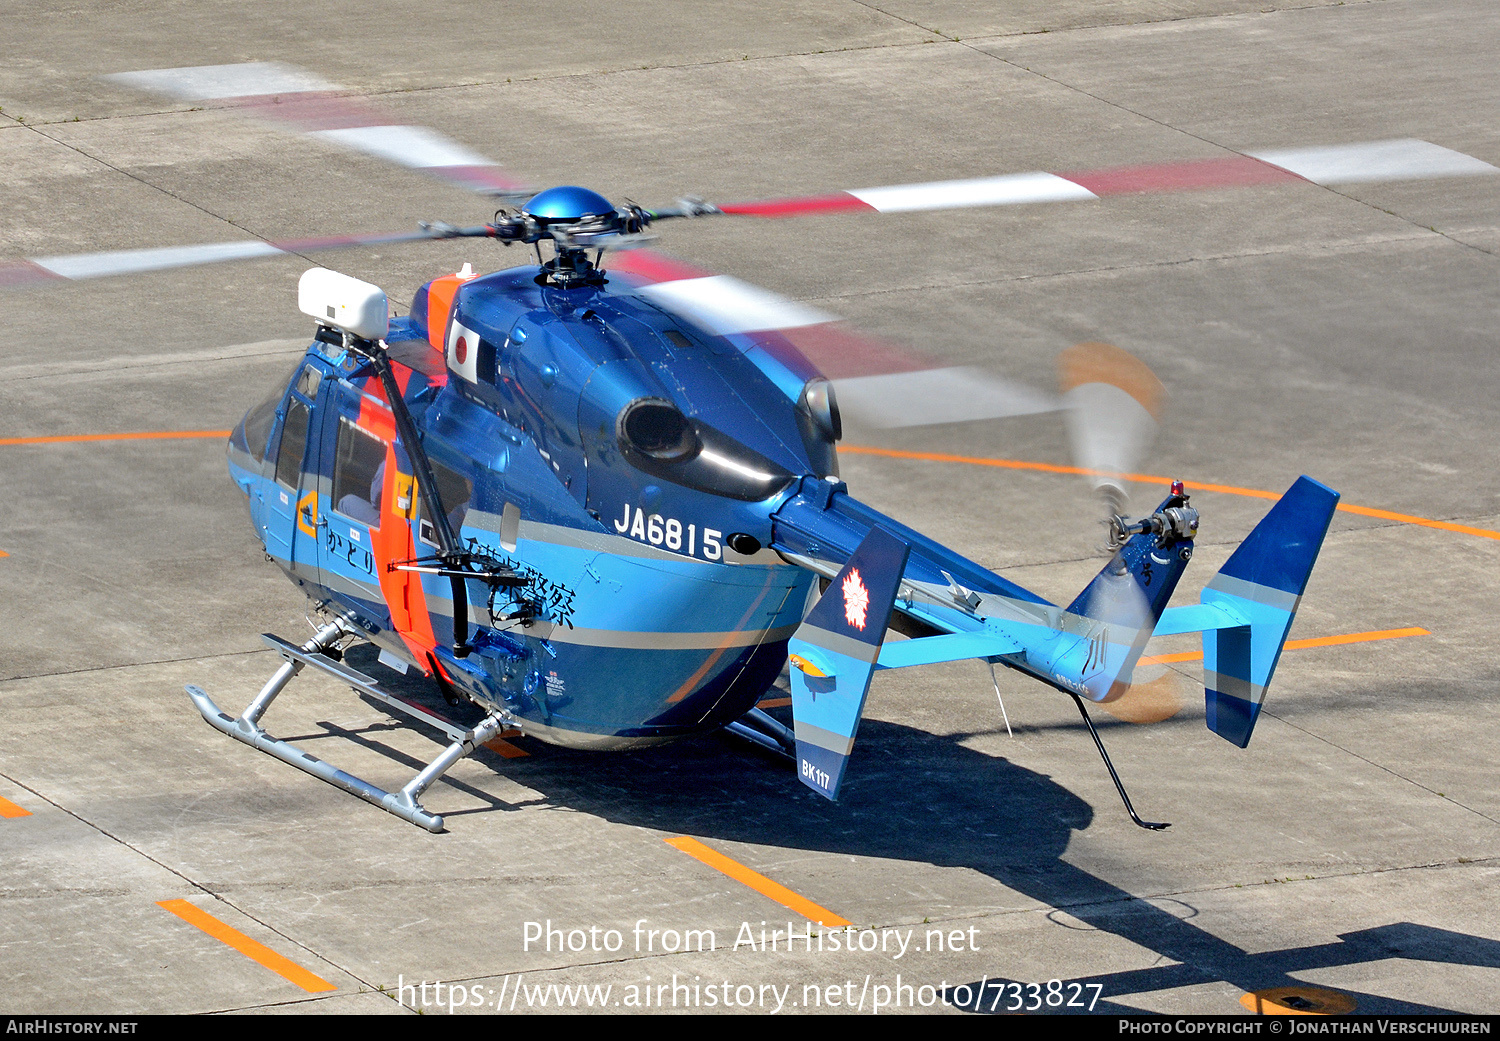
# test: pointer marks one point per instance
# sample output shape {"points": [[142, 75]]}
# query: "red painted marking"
{"points": [[841, 354], [654, 267], [24, 272], [1192, 175], [797, 207], [310, 110], [478, 178]]}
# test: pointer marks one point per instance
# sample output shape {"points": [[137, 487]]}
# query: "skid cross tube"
{"points": [[405, 803]]}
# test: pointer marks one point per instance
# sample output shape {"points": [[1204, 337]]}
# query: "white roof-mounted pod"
{"points": [[344, 303]]}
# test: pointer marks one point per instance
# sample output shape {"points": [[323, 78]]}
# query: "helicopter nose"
{"points": [[566, 204]]}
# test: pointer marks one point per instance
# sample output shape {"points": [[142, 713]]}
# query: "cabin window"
{"points": [[358, 474], [455, 490]]}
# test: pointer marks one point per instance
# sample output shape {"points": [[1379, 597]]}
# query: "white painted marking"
{"points": [[1006, 190], [207, 82], [415, 147], [1402, 160], [468, 368], [133, 261], [954, 395], [725, 305]]}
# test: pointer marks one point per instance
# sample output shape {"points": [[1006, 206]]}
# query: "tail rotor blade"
{"points": [[1113, 403]]}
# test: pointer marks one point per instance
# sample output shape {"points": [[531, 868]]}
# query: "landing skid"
{"points": [[405, 803]]}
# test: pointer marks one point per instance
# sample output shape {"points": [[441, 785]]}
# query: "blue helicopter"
{"points": [[603, 504], [603, 523]]}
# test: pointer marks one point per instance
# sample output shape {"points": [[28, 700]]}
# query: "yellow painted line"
{"points": [[1300, 1000], [1298, 645], [1196, 486], [149, 435], [256, 952], [10, 809], [758, 882]]}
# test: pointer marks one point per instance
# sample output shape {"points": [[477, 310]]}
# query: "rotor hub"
{"points": [[566, 204]]}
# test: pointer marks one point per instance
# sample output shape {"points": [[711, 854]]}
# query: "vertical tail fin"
{"points": [[833, 655], [1262, 583]]}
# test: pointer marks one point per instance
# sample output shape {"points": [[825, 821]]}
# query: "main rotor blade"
{"points": [[1366, 162], [81, 266], [877, 384], [303, 101]]}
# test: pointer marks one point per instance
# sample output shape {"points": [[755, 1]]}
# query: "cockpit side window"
{"points": [[260, 420], [258, 423], [358, 473], [293, 443]]}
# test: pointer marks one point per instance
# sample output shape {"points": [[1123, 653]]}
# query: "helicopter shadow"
{"points": [[925, 798]]}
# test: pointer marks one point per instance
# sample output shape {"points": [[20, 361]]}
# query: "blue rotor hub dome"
{"points": [[565, 204]]}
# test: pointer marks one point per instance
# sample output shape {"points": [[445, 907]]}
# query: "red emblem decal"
{"points": [[856, 600], [461, 350]]}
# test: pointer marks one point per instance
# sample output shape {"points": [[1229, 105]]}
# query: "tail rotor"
{"points": [[1113, 403]]}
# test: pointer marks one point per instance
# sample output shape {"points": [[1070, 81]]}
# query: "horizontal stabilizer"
{"points": [[929, 650], [833, 656]]}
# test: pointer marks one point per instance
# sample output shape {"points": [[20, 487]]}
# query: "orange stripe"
{"points": [[149, 435], [10, 809], [502, 747], [758, 882], [773, 702], [256, 952], [1197, 486], [1297, 645], [1406, 518]]}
